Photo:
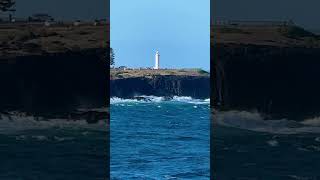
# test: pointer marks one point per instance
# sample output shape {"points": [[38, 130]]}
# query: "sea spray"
{"points": [[254, 121], [157, 99]]}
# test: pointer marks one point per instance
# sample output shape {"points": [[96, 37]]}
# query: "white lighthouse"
{"points": [[157, 61]]}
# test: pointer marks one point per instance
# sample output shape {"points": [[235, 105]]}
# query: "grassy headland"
{"points": [[283, 36], [20, 39], [120, 74]]}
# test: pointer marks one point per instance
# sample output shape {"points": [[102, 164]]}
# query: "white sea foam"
{"points": [[157, 99], [255, 122], [190, 100], [14, 123], [182, 98], [44, 138], [137, 99], [273, 143], [312, 122], [116, 100]]}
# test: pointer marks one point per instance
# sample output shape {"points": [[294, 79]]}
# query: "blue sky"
{"points": [[179, 29]]}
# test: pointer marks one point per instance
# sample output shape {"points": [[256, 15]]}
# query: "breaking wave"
{"points": [[15, 123], [255, 122], [157, 99]]}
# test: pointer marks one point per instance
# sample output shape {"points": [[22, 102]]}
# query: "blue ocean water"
{"points": [[53, 149], [160, 139], [255, 149]]}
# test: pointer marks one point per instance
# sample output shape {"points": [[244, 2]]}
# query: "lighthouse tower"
{"points": [[157, 61]]}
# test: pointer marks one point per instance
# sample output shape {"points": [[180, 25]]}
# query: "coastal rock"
{"points": [[161, 85], [278, 82], [54, 83]]}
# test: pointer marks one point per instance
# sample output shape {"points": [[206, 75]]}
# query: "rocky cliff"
{"points": [[54, 84], [161, 85], [53, 71], [277, 81]]}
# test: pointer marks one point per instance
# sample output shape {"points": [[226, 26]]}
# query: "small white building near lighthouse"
{"points": [[157, 61]]}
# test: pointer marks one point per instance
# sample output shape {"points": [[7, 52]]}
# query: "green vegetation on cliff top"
{"points": [[35, 39], [148, 73], [285, 36]]}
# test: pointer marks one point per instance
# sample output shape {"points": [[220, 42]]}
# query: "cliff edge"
{"points": [[167, 83], [54, 71], [272, 70]]}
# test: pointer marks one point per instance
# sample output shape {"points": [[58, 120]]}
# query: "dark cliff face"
{"points": [[54, 83], [193, 86], [279, 82]]}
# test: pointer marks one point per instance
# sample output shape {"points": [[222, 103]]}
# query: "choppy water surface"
{"points": [[255, 149], [160, 139], [51, 150]]}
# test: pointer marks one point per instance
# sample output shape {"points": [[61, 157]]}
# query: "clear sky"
{"points": [[179, 29]]}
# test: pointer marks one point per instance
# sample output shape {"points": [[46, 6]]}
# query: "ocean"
{"points": [[246, 147], [52, 149], [157, 139]]}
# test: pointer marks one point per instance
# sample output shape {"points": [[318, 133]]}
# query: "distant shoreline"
{"points": [[164, 83], [120, 73]]}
